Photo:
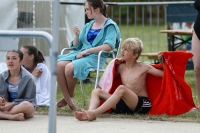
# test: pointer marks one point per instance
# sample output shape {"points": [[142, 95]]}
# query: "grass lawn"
{"points": [[150, 45], [193, 116]]}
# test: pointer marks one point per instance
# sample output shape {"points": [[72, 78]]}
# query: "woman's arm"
{"points": [[76, 32], [104, 47], [110, 38]]}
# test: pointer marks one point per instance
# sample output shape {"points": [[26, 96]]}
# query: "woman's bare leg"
{"points": [[196, 61], [63, 79], [62, 83], [71, 82]]}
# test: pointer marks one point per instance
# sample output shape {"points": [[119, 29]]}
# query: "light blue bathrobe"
{"points": [[109, 34]]}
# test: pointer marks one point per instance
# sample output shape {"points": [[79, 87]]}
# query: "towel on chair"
{"points": [[169, 94]]}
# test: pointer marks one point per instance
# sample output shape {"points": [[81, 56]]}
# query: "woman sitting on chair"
{"points": [[99, 34]]}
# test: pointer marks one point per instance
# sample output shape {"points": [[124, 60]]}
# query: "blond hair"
{"points": [[134, 44]]}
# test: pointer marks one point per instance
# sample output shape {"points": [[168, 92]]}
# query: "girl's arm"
{"points": [[42, 81]]}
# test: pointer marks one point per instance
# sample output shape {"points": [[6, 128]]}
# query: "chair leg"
{"points": [[82, 91]]}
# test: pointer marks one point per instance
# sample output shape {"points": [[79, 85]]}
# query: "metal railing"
{"points": [[141, 19], [154, 23]]}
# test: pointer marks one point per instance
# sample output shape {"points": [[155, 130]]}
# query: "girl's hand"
{"points": [[2, 101], [82, 54], [76, 31], [7, 106], [37, 73]]}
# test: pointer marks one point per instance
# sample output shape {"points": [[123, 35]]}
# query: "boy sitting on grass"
{"points": [[130, 97]]}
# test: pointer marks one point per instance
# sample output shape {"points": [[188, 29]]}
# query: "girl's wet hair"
{"points": [[21, 55], [38, 57], [98, 4]]}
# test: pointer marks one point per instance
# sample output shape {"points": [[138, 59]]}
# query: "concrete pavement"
{"points": [[68, 124]]}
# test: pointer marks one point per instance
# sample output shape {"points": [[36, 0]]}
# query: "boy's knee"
{"points": [[120, 89], [96, 91]]}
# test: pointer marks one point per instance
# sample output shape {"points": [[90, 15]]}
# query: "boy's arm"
{"points": [[154, 71], [157, 72], [161, 59]]}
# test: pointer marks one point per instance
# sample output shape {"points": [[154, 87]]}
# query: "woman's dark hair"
{"points": [[98, 4], [19, 52], [38, 57]]}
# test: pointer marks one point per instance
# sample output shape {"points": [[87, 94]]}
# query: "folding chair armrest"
{"points": [[98, 63], [99, 56], [66, 49], [103, 51]]}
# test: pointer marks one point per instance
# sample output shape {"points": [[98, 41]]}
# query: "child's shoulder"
{"points": [[142, 63]]}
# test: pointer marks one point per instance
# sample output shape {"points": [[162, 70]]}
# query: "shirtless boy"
{"points": [[131, 97]]}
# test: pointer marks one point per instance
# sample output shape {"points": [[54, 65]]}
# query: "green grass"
{"points": [[153, 40], [193, 116]]}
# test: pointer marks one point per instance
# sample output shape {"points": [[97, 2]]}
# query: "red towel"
{"points": [[170, 94]]}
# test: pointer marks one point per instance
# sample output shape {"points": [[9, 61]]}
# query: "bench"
{"points": [[151, 56]]}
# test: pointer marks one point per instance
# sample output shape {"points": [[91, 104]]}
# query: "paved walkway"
{"points": [[68, 124]]}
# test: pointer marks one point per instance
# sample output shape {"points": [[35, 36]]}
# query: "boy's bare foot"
{"points": [[90, 115], [61, 103], [18, 117], [80, 116], [85, 115]]}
